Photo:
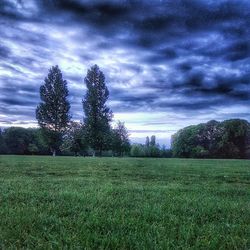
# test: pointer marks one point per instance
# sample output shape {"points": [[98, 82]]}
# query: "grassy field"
{"points": [[126, 203]]}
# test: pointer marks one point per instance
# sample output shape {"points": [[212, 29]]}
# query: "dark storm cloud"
{"points": [[8, 9], [228, 87], [173, 56], [17, 101], [4, 51]]}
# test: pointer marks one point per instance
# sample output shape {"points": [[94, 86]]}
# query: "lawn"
{"points": [[124, 203]]}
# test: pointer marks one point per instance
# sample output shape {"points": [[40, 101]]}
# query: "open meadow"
{"points": [[124, 203]]}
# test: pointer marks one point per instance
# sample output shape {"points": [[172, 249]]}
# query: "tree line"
{"points": [[31, 141], [150, 149], [57, 133], [227, 139]]}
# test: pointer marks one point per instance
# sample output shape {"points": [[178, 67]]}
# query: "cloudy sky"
{"points": [[168, 64]]}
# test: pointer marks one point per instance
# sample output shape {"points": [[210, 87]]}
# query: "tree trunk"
{"points": [[93, 153], [54, 152]]}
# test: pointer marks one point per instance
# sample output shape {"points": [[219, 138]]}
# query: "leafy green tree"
{"points": [[151, 149], [137, 150], [233, 139], [247, 143], [40, 142], [153, 140], [199, 152], [183, 142], [97, 114], [120, 139], [213, 139], [33, 149], [147, 147], [3, 147], [17, 140], [74, 139], [165, 152], [155, 151], [53, 111]]}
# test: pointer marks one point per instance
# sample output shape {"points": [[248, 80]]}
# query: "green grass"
{"points": [[126, 203]]}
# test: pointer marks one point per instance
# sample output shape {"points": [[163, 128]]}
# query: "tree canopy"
{"points": [[227, 139], [97, 114], [53, 111], [120, 139]]}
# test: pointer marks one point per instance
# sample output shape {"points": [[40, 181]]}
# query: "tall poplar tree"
{"points": [[153, 140], [97, 115], [53, 111]]}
